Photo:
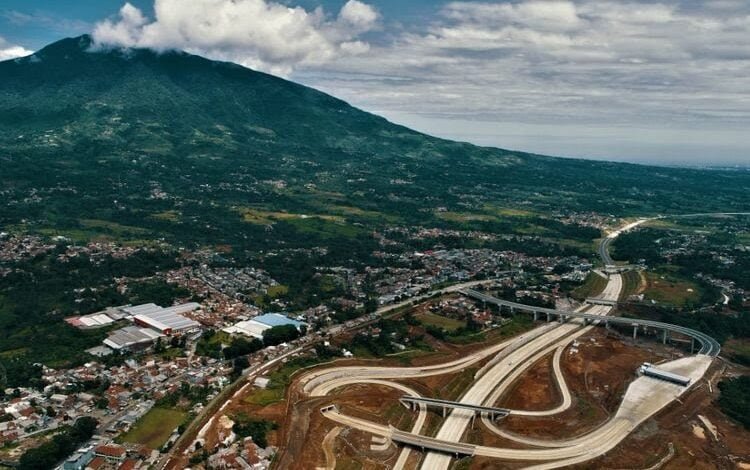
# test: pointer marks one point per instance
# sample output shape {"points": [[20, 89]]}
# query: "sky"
{"points": [[653, 81]]}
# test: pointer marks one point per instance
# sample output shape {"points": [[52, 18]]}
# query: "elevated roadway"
{"points": [[709, 346], [643, 397], [428, 443], [447, 404]]}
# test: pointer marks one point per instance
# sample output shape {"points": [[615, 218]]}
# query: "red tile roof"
{"points": [[128, 465], [96, 463], [110, 451]]}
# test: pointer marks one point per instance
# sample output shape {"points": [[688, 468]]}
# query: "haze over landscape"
{"points": [[303, 234], [659, 82]]}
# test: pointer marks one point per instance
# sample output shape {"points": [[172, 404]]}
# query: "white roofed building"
{"points": [[151, 322]]}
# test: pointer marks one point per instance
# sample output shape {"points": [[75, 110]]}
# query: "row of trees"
{"points": [[734, 400], [245, 426], [720, 327], [60, 446], [272, 337]]}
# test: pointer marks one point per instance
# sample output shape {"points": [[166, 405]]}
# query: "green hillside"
{"points": [[182, 153], [135, 144]]}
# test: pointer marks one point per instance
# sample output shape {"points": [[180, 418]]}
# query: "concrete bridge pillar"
{"points": [[606, 325], [445, 411], [692, 345], [560, 318], [635, 331], [549, 317], [664, 335], [536, 315]]}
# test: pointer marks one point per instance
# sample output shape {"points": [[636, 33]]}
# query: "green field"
{"points": [[154, 428], [278, 382], [448, 324], [671, 290]]}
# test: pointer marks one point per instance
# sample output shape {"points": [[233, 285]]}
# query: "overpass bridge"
{"points": [[430, 443], [709, 346], [598, 301], [492, 412]]}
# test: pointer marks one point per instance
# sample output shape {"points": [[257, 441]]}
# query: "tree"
{"points": [[60, 446], [735, 399], [242, 347], [280, 334], [240, 364], [245, 426]]}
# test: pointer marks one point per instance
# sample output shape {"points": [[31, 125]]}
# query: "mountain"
{"points": [[136, 144]]}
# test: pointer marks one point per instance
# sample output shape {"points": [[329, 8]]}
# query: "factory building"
{"points": [[150, 322], [255, 327], [165, 320], [131, 338]]}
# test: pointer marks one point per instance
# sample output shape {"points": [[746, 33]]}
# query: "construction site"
{"points": [[582, 388]]}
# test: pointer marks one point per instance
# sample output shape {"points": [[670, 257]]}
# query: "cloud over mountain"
{"points": [[676, 67], [671, 65], [11, 51], [258, 33]]}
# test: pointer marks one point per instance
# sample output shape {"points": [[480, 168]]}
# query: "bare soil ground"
{"points": [[676, 425], [597, 372], [535, 390], [301, 436]]}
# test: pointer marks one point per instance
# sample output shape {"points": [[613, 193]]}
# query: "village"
{"points": [[180, 355]]}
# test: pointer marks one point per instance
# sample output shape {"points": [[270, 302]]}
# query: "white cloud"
{"points": [[670, 64], [545, 14], [359, 16], [258, 33], [633, 64], [11, 51]]}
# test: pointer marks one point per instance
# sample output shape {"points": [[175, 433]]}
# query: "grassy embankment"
{"points": [[592, 286], [631, 284]]}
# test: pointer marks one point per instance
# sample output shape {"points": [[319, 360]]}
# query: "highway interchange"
{"points": [[644, 397]]}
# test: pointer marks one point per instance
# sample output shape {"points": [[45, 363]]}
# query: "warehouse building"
{"points": [[277, 319], [248, 328], [165, 320], [255, 327], [130, 338], [150, 322]]}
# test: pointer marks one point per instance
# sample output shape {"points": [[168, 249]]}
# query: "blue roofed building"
{"points": [[261, 323], [277, 319]]}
